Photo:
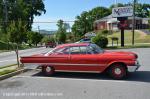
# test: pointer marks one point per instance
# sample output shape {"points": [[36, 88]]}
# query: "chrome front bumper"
{"points": [[134, 68]]}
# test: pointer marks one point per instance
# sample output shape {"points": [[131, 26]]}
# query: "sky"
{"points": [[67, 10]]}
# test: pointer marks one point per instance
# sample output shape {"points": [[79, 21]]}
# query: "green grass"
{"points": [[7, 66], [128, 37], [6, 72], [129, 46]]}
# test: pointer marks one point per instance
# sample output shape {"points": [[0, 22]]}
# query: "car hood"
{"points": [[122, 53]]}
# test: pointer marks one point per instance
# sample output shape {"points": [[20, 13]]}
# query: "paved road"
{"points": [[8, 58], [32, 85]]}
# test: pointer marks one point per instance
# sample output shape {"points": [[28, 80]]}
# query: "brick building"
{"points": [[111, 23]]}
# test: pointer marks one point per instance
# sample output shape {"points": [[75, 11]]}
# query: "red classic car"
{"points": [[85, 57]]}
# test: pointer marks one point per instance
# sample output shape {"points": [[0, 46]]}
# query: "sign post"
{"points": [[122, 13]]}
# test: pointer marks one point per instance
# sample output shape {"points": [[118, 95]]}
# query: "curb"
{"points": [[12, 74]]}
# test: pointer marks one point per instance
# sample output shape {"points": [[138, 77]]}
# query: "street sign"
{"points": [[122, 11]]}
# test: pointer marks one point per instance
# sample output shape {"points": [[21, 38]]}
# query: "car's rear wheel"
{"points": [[48, 70], [117, 71]]}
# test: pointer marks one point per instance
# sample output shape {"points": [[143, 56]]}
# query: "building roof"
{"points": [[146, 19], [110, 19]]}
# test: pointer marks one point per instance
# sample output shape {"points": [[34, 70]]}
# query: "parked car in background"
{"points": [[84, 40], [85, 57], [50, 44]]}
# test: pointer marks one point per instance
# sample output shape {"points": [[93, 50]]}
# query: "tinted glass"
{"points": [[75, 50], [83, 50], [94, 49]]}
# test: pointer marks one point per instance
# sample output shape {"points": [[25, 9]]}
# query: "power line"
{"points": [[39, 21]]}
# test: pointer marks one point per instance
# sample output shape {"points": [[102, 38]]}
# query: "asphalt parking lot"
{"points": [[32, 85]]}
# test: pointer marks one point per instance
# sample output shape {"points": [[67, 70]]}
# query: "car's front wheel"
{"points": [[117, 71], [48, 70]]}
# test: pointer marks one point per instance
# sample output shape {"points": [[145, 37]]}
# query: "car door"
{"points": [[60, 59], [83, 59]]}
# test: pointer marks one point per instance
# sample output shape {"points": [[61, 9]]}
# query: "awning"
{"points": [[113, 20]]}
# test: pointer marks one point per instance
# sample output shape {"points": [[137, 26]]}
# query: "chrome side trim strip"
{"points": [[78, 71], [65, 64]]}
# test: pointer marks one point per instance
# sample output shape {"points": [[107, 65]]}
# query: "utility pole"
{"points": [[5, 14], [39, 29], [133, 22]]}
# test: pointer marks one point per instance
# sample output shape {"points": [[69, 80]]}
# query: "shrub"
{"points": [[100, 40], [105, 32], [61, 38], [47, 39]]}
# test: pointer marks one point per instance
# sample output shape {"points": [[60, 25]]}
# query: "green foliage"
{"points": [[67, 26], [61, 37], [6, 72], [22, 9], [61, 33], [100, 40], [84, 22], [116, 5], [48, 39], [7, 46], [16, 31], [105, 32], [34, 37]]}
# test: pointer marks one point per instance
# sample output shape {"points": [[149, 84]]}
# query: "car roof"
{"points": [[73, 44]]}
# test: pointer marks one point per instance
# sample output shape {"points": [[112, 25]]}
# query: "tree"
{"points": [[116, 5], [34, 37], [84, 22], [61, 33], [21, 9], [16, 31], [47, 39], [67, 26], [142, 10]]}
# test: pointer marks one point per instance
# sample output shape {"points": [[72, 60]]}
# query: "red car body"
{"points": [[79, 57]]}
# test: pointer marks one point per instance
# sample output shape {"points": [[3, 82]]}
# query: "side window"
{"points": [[74, 50], [83, 50], [90, 50], [62, 51], [66, 51]]}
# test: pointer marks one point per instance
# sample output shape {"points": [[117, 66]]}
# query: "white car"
{"points": [[85, 40]]}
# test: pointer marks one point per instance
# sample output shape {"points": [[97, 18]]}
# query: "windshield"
{"points": [[96, 48], [51, 51]]}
